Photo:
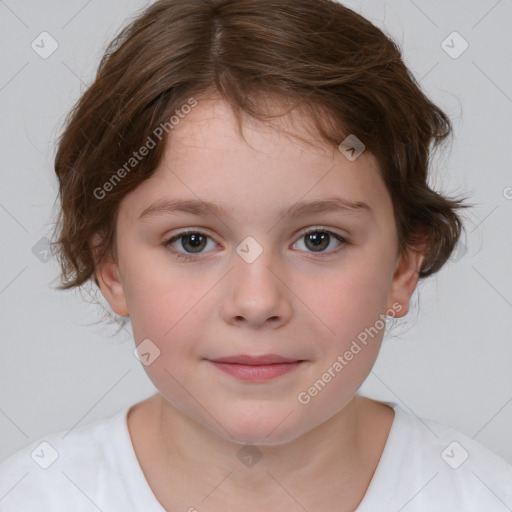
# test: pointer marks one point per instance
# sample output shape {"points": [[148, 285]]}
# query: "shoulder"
{"points": [[428, 464], [61, 468]]}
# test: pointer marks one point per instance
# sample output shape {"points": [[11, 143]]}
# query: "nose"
{"points": [[256, 293]]}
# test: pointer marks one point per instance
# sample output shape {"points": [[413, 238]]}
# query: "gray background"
{"points": [[450, 360]]}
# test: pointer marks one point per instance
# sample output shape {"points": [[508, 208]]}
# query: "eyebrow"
{"points": [[300, 209]]}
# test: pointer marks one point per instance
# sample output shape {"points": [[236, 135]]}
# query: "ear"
{"points": [[405, 279], [109, 279]]}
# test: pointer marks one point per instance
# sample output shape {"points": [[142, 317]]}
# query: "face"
{"points": [[254, 255]]}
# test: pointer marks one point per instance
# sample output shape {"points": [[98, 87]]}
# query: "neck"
{"points": [[329, 467]]}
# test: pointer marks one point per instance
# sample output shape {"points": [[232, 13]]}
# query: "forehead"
{"points": [[213, 125], [268, 166]]}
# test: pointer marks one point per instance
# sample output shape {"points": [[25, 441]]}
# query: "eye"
{"points": [[317, 240], [188, 245], [192, 242]]}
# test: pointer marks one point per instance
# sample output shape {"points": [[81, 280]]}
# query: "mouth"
{"points": [[256, 368]]}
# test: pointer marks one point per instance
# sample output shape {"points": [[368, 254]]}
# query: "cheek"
{"points": [[161, 304], [349, 300], [167, 312], [352, 311]]}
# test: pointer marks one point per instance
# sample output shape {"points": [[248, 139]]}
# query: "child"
{"points": [[246, 181]]}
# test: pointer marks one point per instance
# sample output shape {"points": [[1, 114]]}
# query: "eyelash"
{"points": [[344, 241]]}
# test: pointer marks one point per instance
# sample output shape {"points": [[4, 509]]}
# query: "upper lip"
{"points": [[255, 360]]}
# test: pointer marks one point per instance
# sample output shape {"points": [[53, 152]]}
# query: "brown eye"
{"points": [[194, 242], [319, 240], [188, 244]]}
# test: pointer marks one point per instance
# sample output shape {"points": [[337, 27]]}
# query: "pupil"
{"points": [[196, 241], [318, 240]]}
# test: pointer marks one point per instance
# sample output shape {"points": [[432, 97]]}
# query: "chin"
{"points": [[257, 437], [260, 428]]}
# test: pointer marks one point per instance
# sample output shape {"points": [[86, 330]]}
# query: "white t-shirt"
{"points": [[425, 467]]}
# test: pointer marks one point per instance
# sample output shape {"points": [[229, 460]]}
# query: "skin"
{"points": [[292, 301]]}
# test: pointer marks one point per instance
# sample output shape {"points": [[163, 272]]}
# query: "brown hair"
{"points": [[334, 64]]}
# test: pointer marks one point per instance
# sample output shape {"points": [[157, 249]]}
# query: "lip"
{"points": [[246, 359], [256, 368]]}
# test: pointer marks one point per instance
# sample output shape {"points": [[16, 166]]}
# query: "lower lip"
{"points": [[256, 372]]}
